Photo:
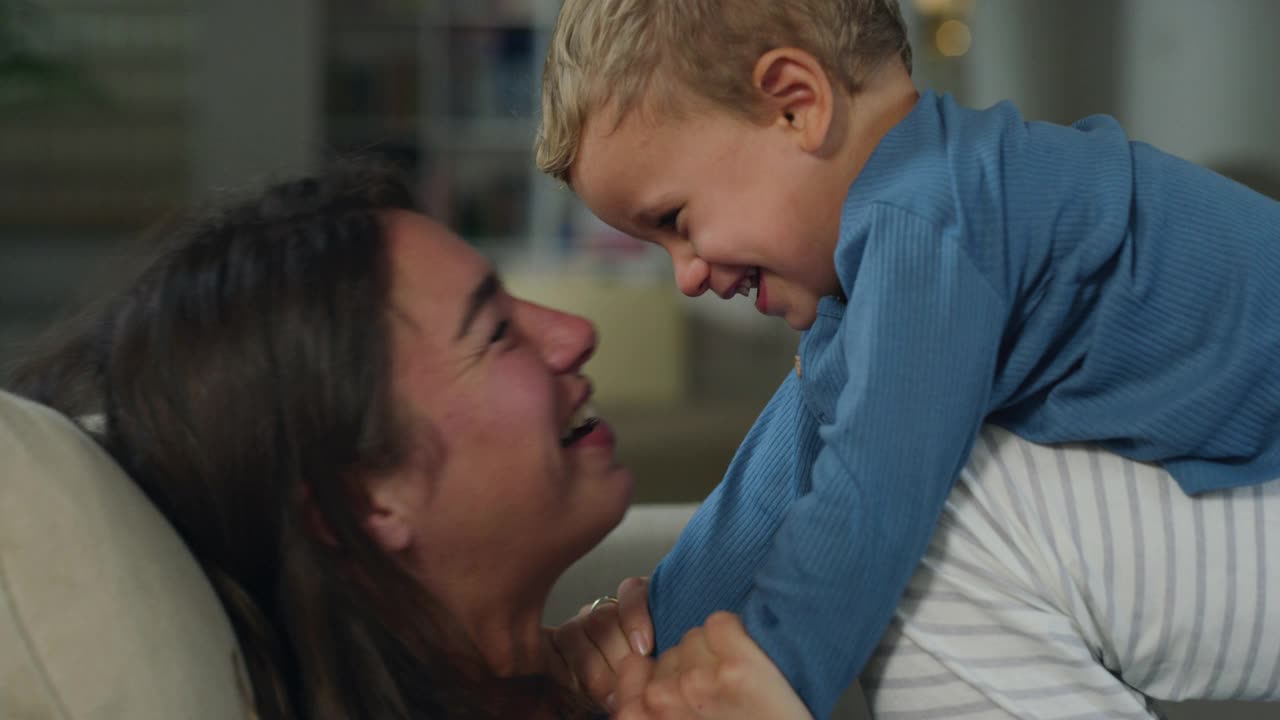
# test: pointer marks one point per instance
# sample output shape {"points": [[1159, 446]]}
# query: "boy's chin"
{"points": [[801, 319], [800, 310]]}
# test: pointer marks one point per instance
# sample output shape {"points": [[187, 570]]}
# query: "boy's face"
{"points": [[736, 205]]}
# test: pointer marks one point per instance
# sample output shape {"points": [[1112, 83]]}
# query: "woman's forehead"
{"points": [[434, 280], [428, 260]]}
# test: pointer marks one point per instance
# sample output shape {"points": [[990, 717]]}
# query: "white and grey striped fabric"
{"points": [[1067, 582]]}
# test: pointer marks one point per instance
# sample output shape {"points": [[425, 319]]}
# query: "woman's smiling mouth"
{"points": [[584, 421]]}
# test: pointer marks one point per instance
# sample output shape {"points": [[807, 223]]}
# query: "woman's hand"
{"points": [[717, 672], [594, 643]]}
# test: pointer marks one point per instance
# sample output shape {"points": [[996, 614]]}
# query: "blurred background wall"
{"points": [[114, 114]]}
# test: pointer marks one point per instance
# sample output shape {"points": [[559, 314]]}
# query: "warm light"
{"points": [[953, 38]]}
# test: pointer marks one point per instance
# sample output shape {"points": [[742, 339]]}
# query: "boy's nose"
{"points": [[693, 275], [565, 341]]}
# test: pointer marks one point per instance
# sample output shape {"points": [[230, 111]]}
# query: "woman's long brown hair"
{"points": [[243, 378]]}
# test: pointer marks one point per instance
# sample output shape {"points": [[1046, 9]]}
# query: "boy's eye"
{"points": [[668, 220]]}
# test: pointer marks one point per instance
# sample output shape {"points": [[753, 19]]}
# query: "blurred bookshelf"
{"points": [[449, 92], [186, 99]]}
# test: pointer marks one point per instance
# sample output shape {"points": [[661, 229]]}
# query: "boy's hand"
{"points": [[594, 643], [717, 672]]}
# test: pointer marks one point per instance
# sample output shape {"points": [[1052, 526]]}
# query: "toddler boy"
{"points": [[949, 267]]}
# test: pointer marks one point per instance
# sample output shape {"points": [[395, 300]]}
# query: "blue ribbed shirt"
{"points": [[1063, 282]]}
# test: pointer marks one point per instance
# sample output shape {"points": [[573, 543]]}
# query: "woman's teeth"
{"points": [[584, 420], [749, 282]]}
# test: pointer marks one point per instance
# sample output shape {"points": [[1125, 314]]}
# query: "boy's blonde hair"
{"points": [[622, 52]]}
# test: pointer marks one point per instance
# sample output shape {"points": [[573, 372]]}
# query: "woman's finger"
{"points": [[604, 629], [633, 604], [588, 664]]}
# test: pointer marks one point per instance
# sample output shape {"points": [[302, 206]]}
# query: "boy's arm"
{"points": [[921, 337], [714, 563]]}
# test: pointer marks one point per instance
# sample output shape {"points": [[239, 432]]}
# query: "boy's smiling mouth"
{"points": [[749, 281], [753, 280]]}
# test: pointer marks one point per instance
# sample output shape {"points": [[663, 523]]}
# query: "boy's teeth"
{"points": [[749, 282]]}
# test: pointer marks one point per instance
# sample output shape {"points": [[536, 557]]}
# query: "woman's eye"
{"points": [[500, 331], [668, 220]]}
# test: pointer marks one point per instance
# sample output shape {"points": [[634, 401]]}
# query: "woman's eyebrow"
{"points": [[482, 294]]}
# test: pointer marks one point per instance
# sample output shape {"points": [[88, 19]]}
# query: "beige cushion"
{"points": [[103, 611]]}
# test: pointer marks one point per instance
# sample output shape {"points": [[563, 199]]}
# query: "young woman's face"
{"points": [[505, 485]]}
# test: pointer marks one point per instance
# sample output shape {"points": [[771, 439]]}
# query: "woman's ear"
{"points": [[797, 95], [387, 517]]}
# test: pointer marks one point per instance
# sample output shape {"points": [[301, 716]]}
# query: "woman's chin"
{"points": [[609, 508], [621, 482]]}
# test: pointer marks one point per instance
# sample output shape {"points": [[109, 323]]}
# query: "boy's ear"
{"points": [[797, 94]]}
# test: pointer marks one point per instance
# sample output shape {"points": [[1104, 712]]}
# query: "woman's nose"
{"points": [[566, 341]]}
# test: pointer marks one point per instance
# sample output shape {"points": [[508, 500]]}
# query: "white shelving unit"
{"points": [[450, 90]]}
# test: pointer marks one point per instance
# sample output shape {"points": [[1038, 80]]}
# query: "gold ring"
{"points": [[603, 600]]}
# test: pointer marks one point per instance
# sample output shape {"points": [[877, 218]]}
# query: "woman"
{"points": [[311, 386]]}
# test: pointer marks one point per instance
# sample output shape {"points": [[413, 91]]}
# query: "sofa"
{"points": [[104, 614]]}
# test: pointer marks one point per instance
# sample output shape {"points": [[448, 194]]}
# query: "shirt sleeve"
{"points": [[716, 558], [921, 338]]}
